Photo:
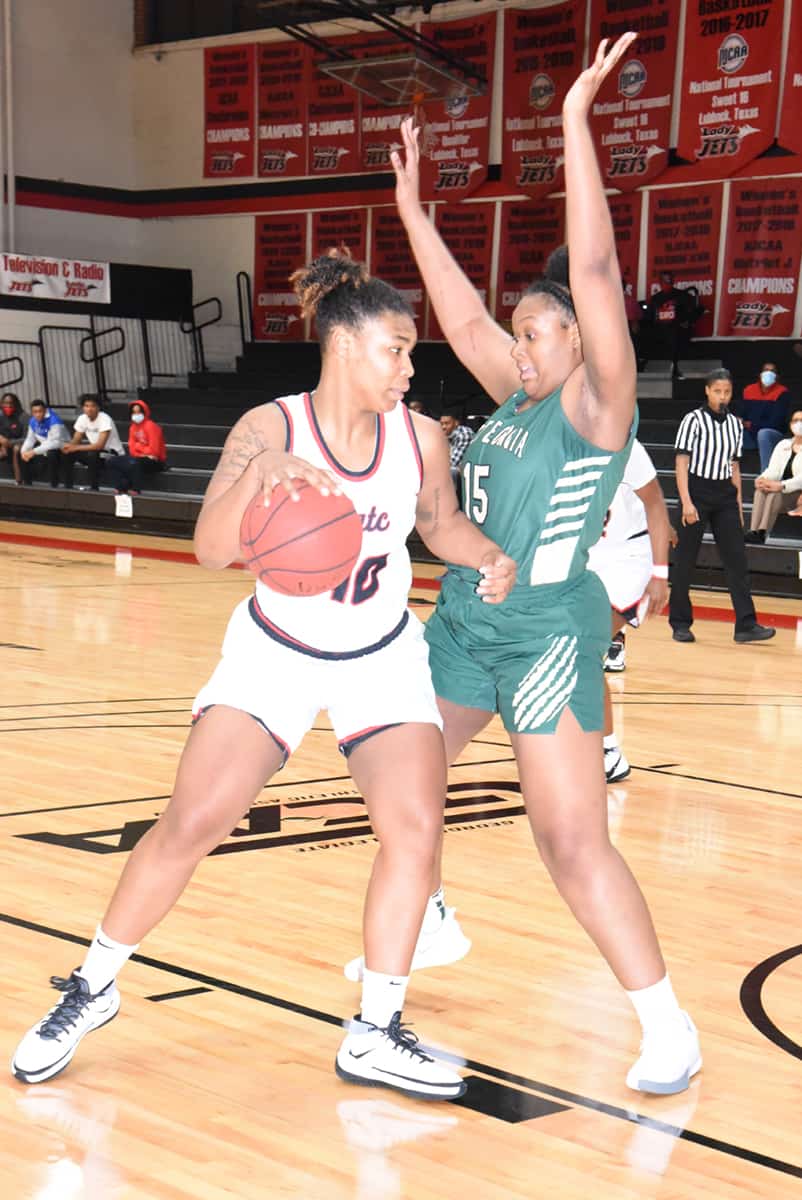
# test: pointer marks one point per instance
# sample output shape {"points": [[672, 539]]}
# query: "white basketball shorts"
{"points": [[624, 570]]}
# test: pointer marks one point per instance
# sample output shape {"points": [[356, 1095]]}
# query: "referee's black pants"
{"points": [[716, 501]]}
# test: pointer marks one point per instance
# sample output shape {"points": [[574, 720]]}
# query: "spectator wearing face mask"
{"points": [[708, 446], [13, 429], [147, 455], [764, 412], [779, 488]]}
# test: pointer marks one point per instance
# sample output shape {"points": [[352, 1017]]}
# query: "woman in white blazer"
{"points": [[779, 488]]}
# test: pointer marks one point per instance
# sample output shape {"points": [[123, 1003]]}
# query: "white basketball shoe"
{"points": [[669, 1058], [443, 945], [392, 1058], [48, 1047]]}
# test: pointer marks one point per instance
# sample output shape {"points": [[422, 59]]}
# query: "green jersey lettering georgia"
{"points": [[539, 489]]}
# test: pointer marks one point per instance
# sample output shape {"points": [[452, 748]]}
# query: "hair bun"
{"points": [[323, 275], [556, 268]]}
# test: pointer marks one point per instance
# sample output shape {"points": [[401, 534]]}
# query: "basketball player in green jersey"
{"points": [[538, 479]]}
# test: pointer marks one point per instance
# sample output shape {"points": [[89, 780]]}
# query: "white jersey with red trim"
{"points": [[371, 606], [626, 516]]}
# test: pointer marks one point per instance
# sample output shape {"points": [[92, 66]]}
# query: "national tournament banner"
{"points": [[333, 114], [391, 259], [684, 226], [229, 111], [791, 119], [467, 230], [54, 278], [529, 233], [455, 134], [762, 258], [343, 227], [631, 116], [282, 74], [730, 84], [542, 58], [625, 211], [280, 249]]}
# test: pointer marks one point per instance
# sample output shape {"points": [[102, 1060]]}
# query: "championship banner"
{"points": [[391, 260], [684, 224], [730, 83], [54, 278], [790, 123], [346, 227], [455, 134], [280, 249], [762, 259], [529, 233], [467, 230], [229, 112], [333, 113], [282, 73], [542, 58], [379, 124], [631, 117], [625, 211]]}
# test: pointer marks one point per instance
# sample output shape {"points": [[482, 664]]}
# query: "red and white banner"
{"points": [[631, 116], [790, 122], [379, 124], [529, 233], [542, 58], [391, 260], [229, 111], [280, 249], [467, 230], [730, 83], [684, 225], [54, 278], [340, 228], [762, 257], [625, 211], [283, 69], [455, 134], [333, 112]]}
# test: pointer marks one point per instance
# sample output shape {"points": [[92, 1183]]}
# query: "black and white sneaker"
{"points": [[49, 1046], [616, 657], [391, 1058], [616, 766]]}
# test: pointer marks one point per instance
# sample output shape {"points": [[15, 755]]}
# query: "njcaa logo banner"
{"points": [[54, 279]]}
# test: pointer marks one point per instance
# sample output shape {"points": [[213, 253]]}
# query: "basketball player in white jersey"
{"points": [[357, 652], [631, 559]]}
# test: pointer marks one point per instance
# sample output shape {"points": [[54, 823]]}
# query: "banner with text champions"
{"points": [[529, 233], [282, 73], [280, 249], [229, 111], [730, 83], [542, 58], [54, 278], [467, 230], [333, 125], [455, 134], [761, 264], [631, 116], [790, 122], [391, 260], [684, 225]]}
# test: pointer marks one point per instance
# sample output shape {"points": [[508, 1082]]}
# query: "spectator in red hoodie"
{"points": [[146, 455]]}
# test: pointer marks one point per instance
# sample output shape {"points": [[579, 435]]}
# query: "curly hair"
{"points": [[337, 290]]}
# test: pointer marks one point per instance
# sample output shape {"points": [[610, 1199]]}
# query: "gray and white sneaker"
{"points": [[49, 1046], [392, 1058], [616, 766], [446, 944], [669, 1058]]}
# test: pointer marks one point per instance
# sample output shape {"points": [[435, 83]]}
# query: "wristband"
{"points": [[660, 571]]}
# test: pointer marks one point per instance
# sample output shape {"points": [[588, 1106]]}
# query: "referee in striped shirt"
{"points": [[708, 445]]}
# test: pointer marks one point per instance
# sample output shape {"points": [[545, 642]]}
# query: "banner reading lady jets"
{"points": [[684, 224], [280, 248], [631, 115], [54, 278], [542, 57], [761, 264], [730, 83], [230, 111], [790, 122], [283, 70]]}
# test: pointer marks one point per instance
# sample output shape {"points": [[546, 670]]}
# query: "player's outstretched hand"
{"points": [[279, 469], [654, 599], [585, 87], [498, 577], [407, 178]]}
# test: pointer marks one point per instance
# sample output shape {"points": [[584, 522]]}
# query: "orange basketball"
{"points": [[301, 547]]}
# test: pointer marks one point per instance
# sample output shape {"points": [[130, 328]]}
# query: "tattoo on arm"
{"points": [[240, 448]]}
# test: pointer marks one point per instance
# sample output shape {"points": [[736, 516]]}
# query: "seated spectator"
{"points": [[764, 412], [459, 438], [416, 405], [41, 450], [94, 440], [779, 488], [147, 455], [13, 430]]}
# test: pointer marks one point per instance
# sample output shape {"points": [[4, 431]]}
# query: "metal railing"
{"points": [[29, 381], [195, 328], [6, 382], [245, 308]]}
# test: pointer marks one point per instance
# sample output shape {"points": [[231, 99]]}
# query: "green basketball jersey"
{"points": [[539, 490]]}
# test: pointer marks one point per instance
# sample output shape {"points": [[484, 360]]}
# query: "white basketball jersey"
{"points": [[370, 608], [626, 516]]}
